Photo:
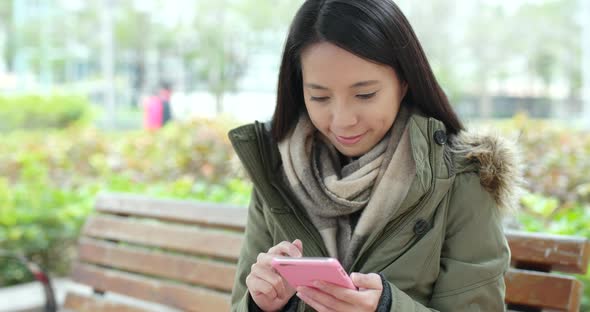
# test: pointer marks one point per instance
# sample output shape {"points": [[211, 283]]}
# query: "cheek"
{"points": [[379, 119], [385, 114], [320, 122], [318, 119], [312, 112]]}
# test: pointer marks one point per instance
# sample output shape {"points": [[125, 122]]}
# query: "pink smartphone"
{"points": [[303, 271]]}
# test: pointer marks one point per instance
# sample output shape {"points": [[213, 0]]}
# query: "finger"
{"points": [[299, 244], [264, 259], [314, 303], [285, 248], [343, 294], [257, 293], [367, 281], [258, 286], [324, 299], [271, 277]]}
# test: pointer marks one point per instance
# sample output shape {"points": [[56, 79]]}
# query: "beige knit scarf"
{"points": [[333, 195]]}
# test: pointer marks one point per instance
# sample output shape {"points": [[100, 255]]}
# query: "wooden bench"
{"points": [[532, 284], [183, 254], [178, 254]]}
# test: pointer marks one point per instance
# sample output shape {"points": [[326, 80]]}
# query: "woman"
{"points": [[365, 161]]}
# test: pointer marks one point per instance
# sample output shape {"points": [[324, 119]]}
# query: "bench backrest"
{"points": [[180, 254], [183, 254], [531, 286]]}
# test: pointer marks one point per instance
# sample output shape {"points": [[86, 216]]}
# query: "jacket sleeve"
{"points": [[474, 255], [256, 240]]}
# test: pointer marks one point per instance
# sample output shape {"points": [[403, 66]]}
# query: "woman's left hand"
{"points": [[330, 297]]}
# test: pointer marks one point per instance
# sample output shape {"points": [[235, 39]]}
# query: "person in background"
{"points": [[152, 112], [165, 94]]}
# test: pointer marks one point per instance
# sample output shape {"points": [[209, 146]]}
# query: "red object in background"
{"points": [[152, 113]]}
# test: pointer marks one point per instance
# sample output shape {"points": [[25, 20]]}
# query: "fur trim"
{"points": [[496, 159]]}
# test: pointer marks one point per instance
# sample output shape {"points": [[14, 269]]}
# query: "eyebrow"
{"points": [[356, 85]]}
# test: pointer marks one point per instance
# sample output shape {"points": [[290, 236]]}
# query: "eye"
{"points": [[320, 99], [366, 96]]}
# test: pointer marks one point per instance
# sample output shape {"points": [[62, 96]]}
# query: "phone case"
{"points": [[303, 271]]}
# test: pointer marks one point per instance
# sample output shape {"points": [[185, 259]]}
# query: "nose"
{"points": [[343, 117]]}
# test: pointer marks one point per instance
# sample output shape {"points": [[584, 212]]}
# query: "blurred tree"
{"points": [[556, 51], [135, 34], [487, 43], [227, 34], [213, 45], [441, 46], [476, 45], [6, 38], [543, 66]]}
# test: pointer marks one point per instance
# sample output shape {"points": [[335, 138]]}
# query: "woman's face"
{"points": [[351, 101]]}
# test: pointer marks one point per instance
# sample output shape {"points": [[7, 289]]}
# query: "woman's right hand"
{"points": [[268, 289]]}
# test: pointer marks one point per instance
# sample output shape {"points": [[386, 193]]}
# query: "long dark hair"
{"points": [[375, 30]]}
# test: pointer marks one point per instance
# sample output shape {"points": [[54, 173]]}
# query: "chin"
{"points": [[352, 153]]}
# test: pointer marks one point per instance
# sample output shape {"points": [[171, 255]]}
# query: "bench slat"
{"points": [[559, 253], [201, 213], [153, 290], [84, 303], [205, 273], [173, 237], [543, 290]]}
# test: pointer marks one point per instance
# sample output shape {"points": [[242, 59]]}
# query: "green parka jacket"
{"points": [[444, 251]]}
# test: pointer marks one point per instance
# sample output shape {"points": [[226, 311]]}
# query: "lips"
{"points": [[349, 140]]}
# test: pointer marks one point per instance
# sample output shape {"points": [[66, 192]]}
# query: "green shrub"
{"points": [[41, 112], [50, 180], [39, 221]]}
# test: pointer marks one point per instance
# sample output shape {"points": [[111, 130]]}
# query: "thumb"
{"points": [[299, 244], [367, 281]]}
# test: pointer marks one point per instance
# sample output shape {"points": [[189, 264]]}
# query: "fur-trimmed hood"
{"points": [[496, 159]]}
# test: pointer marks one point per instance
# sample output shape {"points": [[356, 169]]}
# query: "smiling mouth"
{"points": [[349, 140]]}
